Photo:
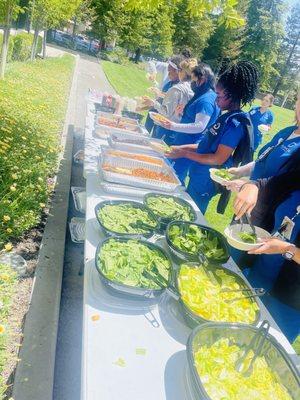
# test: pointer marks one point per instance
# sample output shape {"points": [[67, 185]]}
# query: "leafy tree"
{"points": [[225, 43], [9, 10], [84, 13], [191, 31], [135, 34], [289, 54], [198, 8], [109, 20], [147, 31], [47, 14], [162, 29], [263, 35]]}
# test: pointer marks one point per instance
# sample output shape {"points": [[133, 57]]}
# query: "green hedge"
{"points": [[19, 48]]}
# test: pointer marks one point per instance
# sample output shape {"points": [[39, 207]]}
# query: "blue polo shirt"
{"points": [[258, 118]]}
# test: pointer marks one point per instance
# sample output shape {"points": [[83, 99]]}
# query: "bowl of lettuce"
{"points": [[168, 208], [212, 351], [189, 240], [206, 296], [128, 218], [241, 237], [221, 176], [121, 263]]}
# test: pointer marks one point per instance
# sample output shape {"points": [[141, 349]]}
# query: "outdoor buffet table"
{"points": [[132, 349]]}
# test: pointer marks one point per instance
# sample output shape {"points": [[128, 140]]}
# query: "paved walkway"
{"points": [[68, 355]]}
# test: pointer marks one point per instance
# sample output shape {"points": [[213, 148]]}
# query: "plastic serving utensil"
{"points": [[249, 293], [248, 218], [161, 281], [255, 345]]}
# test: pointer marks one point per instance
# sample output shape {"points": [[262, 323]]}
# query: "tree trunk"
{"points": [[45, 43], [285, 98], [137, 55], [4, 52], [74, 27], [34, 44], [286, 67], [5, 42]]}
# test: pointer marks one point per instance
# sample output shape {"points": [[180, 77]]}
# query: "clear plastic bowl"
{"points": [[192, 319], [275, 355]]}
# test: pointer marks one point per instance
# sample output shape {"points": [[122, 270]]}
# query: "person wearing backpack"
{"points": [[229, 141]]}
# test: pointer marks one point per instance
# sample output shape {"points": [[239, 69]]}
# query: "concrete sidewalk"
{"points": [[67, 384]]}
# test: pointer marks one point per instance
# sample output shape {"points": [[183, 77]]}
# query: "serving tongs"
{"points": [[255, 345], [139, 224], [161, 281], [249, 293], [246, 219]]}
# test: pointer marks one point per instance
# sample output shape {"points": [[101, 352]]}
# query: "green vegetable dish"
{"points": [[223, 173], [248, 237], [126, 218], [168, 207], [192, 239], [125, 261], [216, 368]]}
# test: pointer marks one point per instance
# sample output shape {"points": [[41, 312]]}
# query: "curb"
{"points": [[34, 375]]}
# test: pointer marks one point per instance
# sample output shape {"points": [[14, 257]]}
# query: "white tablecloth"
{"points": [[114, 327]]}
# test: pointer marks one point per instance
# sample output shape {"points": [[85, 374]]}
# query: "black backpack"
{"points": [[243, 154]]}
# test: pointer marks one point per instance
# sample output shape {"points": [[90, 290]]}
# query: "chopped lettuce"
{"points": [[125, 218], [204, 296], [248, 237], [216, 368], [169, 207], [223, 173], [195, 240], [126, 261]]}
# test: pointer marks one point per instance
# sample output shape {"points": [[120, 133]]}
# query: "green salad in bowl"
{"points": [[120, 217], [169, 208], [123, 261], [188, 240]]}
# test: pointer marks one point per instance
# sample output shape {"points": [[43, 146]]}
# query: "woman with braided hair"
{"points": [[228, 142]]}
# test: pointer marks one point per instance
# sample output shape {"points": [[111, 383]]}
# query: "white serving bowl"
{"points": [[232, 236], [217, 178]]}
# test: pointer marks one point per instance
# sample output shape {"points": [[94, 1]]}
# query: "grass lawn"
{"points": [[128, 81], [131, 81]]}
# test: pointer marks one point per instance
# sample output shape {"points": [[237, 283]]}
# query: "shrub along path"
{"points": [[33, 100]]}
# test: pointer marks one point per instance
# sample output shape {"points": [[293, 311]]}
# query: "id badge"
{"points": [[286, 228]]}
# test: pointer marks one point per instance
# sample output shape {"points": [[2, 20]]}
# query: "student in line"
{"points": [[228, 142]]}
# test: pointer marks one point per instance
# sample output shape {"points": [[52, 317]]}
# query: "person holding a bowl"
{"points": [[262, 118], [277, 157], [228, 141], [276, 263]]}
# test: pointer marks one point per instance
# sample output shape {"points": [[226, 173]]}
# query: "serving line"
{"points": [[132, 349]]}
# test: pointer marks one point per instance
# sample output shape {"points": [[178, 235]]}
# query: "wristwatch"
{"points": [[290, 253]]}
